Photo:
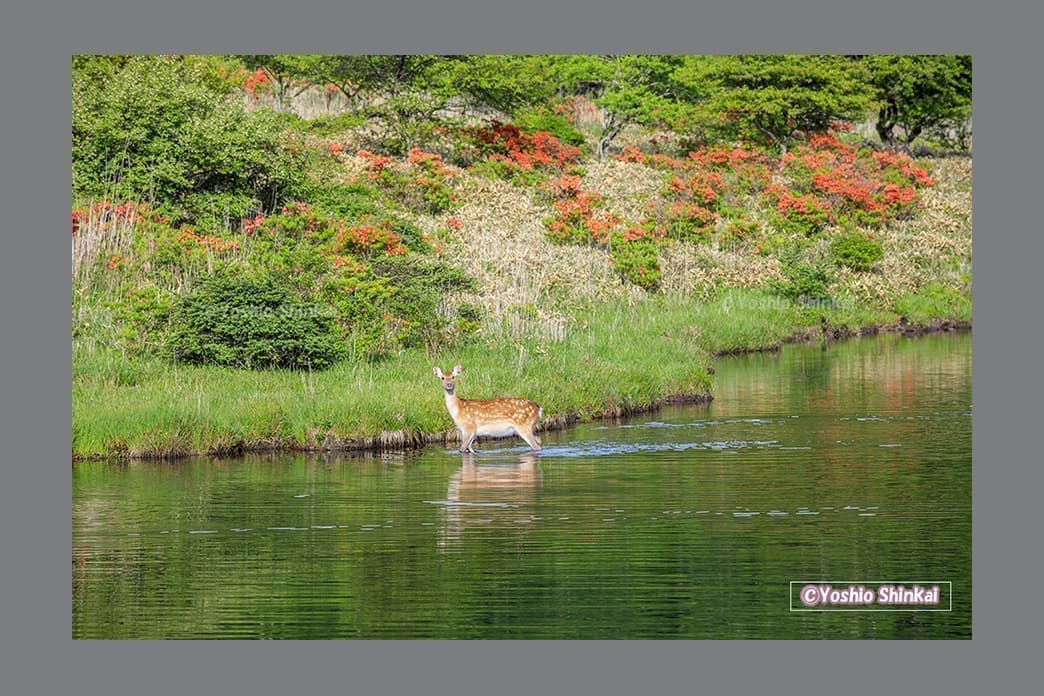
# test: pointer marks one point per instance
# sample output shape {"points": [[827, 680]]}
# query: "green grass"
{"points": [[934, 301], [613, 356]]}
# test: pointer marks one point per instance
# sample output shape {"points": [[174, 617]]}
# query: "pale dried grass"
{"points": [[526, 284]]}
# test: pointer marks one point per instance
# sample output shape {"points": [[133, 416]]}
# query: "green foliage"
{"points": [[545, 120], [333, 124], [803, 281], [251, 322], [856, 250], [391, 304], [152, 128], [638, 260], [933, 301], [508, 83], [468, 319], [767, 99], [920, 94], [143, 316], [628, 88]]}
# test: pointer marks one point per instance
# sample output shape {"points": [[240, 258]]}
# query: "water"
{"points": [[846, 464]]}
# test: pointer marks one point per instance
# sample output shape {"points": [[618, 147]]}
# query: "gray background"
{"points": [[37, 654]]}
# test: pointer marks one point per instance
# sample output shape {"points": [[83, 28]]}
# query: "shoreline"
{"points": [[404, 440]]}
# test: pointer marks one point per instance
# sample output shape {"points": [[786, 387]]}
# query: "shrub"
{"points": [[510, 153], [739, 231], [805, 214], [857, 251], [636, 255], [421, 182], [557, 125], [251, 322], [152, 128], [803, 281]]}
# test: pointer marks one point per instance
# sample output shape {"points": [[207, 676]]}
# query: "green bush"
{"points": [[638, 261], [153, 128], [555, 124], [251, 322], [803, 281], [857, 251], [391, 303]]}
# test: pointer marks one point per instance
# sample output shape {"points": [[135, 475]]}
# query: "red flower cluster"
{"points": [[577, 222], [106, 214], [366, 238], [430, 162], [189, 238], [375, 164], [895, 160], [635, 233], [255, 83], [421, 182], [564, 186], [702, 187], [507, 143], [688, 220], [251, 226], [454, 223]]}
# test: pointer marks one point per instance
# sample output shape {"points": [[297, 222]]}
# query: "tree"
{"points": [[770, 99], [287, 73], [151, 128], [918, 94], [627, 89]]}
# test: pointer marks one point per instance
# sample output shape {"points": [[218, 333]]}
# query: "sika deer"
{"points": [[500, 417]]}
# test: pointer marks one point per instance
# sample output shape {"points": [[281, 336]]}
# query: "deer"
{"points": [[500, 417]]}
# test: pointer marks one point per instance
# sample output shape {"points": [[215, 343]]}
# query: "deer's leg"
{"points": [[530, 437], [466, 439]]}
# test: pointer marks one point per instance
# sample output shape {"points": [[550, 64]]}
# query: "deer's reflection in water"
{"points": [[490, 492]]}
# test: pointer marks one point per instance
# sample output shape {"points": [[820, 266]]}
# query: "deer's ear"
{"points": [[456, 370], [437, 371]]}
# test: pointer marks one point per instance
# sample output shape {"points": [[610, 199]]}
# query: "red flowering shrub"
{"points": [[565, 186], [684, 220], [576, 222], [739, 231], [868, 190], [508, 152], [807, 213], [420, 183], [633, 248], [256, 84], [367, 239], [820, 182], [105, 216], [190, 238]]}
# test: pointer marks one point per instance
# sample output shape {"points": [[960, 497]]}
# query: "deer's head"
{"points": [[447, 382]]}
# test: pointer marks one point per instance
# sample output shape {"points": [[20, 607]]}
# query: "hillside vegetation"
{"points": [[274, 250]]}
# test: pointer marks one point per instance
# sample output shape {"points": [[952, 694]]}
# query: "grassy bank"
{"points": [[614, 358]]}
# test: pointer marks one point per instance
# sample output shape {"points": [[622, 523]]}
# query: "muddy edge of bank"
{"points": [[402, 440]]}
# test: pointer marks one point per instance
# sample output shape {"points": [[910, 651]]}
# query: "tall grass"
{"points": [[611, 359]]}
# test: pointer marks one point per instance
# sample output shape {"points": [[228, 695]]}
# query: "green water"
{"points": [[847, 464]]}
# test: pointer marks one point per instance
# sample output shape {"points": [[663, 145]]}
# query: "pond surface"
{"points": [[849, 464]]}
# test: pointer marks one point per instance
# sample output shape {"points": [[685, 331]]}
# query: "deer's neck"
{"points": [[452, 404]]}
